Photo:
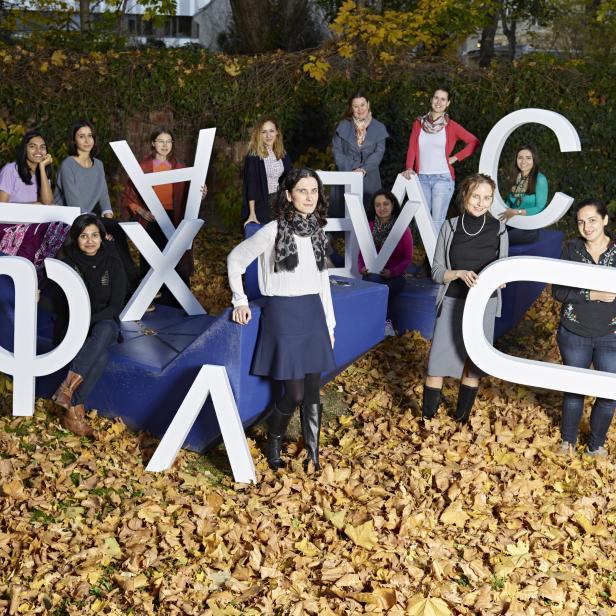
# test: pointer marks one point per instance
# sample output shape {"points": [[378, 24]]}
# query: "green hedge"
{"points": [[51, 88]]}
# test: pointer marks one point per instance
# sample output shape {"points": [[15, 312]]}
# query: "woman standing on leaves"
{"points": [[430, 154], [466, 244], [265, 166], [359, 144], [297, 321], [528, 195], [587, 331], [105, 280]]}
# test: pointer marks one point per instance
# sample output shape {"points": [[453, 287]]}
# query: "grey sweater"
{"points": [[84, 188], [441, 261]]}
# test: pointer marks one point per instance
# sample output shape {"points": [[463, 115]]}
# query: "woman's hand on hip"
{"points": [[452, 160], [468, 277], [241, 315]]}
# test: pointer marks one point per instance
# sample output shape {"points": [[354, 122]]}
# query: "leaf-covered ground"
{"points": [[405, 518]]}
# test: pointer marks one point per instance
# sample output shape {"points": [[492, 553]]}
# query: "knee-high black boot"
{"points": [[466, 399], [276, 429], [310, 417], [431, 401]]}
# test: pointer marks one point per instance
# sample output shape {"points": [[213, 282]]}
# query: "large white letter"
{"points": [[568, 140], [211, 381], [35, 213], [144, 182], [353, 182], [528, 371], [163, 269], [415, 207], [24, 364]]}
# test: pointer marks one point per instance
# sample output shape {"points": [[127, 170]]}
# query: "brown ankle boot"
{"points": [[75, 420], [64, 394]]}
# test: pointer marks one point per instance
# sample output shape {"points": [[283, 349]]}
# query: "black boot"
{"points": [[276, 429], [466, 399], [431, 402], [310, 417]]}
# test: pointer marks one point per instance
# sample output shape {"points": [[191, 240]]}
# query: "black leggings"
{"points": [[300, 391]]}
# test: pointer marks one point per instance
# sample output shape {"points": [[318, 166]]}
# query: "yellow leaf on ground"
{"points": [[306, 547], [363, 535], [454, 515], [550, 590], [337, 519], [428, 607], [14, 489]]}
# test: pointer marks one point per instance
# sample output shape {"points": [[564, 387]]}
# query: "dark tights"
{"points": [[300, 391]]}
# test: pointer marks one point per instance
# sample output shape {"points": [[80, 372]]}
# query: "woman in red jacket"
{"points": [[430, 154], [172, 196]]}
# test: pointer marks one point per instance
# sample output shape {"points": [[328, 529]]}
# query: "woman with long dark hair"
{"points": [[382, 214], [172, 197], [28, 180], [103, 274], [431, 153], [528, 194], [359, 144], [296, 333], [587, 330], [265, 167], [81, 183], [466, 244]]}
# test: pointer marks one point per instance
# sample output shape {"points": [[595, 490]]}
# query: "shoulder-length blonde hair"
{"points": [[256, 147]]}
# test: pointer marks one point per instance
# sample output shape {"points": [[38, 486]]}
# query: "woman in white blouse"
{"points": [[296, 334]]}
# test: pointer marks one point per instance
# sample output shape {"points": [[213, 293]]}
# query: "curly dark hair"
{"points": [[468, 184], [283, 208], [396, 209]]}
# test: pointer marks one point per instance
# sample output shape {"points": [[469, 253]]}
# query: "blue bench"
{"points": [[151, 371], [415, 307]]}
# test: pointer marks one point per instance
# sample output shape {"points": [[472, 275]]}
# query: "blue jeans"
{"points": [[580, 351], [93, 356], [395, 286], [437, 190]]}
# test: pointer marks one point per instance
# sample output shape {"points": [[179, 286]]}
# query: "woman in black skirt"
{"points": [[466, 244], [296, 333]]}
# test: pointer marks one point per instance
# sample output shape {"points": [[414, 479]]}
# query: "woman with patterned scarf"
{"points": [[430, 154], [383, 212], [359, 145], [528, 194], [296, 334]]}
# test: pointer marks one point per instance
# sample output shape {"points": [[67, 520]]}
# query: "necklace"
{"points": [[478, 232]]}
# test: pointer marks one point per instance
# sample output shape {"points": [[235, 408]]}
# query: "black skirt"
{"points": [[293, 338]]}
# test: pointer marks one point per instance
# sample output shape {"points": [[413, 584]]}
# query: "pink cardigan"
{"points": [[453, 133], [400, 258]]}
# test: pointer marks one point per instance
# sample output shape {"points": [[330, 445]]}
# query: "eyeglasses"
{"points": [[164, 141]]}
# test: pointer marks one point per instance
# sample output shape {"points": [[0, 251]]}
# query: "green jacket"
{"points": [[535, 202]]}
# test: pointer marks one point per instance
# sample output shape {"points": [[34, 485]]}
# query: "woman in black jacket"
{"points": [[265, 166], [103, 274], [587, 331]]}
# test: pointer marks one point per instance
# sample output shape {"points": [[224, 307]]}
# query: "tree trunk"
{"points": [[486, 52], [84, 15], [510, 32], [253, 24]]}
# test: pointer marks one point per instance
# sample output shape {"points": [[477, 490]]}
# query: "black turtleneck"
{"points": [[472, 248]]}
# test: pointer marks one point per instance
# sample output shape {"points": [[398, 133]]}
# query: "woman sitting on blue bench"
{"points": [[103, 274], [382, 213]]}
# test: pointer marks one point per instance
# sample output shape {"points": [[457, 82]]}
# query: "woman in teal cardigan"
{"points": [[528, 194]]}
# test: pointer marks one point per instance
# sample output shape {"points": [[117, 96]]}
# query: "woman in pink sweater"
{"points": [[383, 211], [430, 154]]}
